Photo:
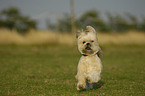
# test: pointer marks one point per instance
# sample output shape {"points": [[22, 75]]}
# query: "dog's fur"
{"points": [[90, 66]]}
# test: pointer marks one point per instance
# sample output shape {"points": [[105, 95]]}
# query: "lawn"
{"points": [[49, 70]]}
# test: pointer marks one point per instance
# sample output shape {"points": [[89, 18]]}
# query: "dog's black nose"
{"points": [[88, 44]]}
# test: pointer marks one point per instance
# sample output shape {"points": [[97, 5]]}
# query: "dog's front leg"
{"points": [[81, 82]]}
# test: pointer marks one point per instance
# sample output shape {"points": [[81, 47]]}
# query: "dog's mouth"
{"points": [[88, 48]]}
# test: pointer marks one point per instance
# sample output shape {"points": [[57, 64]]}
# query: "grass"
{"points": [[49, 70]]}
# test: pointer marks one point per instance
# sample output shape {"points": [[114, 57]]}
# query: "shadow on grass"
{"points": [[98, 85]]}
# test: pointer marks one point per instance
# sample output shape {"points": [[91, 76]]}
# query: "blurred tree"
{"points": [[11, 18], [142, 25], [64, 24], [133, 21], [121, 23], [92, 18], [49, 25], [117, 22], [111, 23]]}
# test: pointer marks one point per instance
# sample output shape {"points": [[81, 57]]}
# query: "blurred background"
{"points": [[56, 21]]}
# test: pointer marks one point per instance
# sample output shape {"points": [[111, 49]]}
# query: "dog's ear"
{"points": [[78, 33], [100, 53], [91, 29]]}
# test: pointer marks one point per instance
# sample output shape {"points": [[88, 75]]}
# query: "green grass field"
{"points": [[50, 70]]}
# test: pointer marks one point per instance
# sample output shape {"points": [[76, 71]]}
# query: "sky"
{"points": [[41, 10]]}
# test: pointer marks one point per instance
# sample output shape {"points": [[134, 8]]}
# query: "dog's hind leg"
{"points": [[89, 85]]}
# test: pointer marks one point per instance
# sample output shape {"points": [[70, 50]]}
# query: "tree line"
{"points": [[115, 22], [12, 18]]}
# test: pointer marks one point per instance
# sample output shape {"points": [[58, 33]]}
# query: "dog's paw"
{"points": [[89, 80], [80, 87]]}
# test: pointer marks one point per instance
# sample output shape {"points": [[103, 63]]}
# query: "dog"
{"points": [[90, 66]]}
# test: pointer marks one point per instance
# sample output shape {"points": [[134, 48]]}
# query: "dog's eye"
{"points": [[92, 41], [84, 42]]}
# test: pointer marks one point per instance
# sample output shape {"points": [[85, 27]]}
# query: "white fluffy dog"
{"points": [[90, 66]]}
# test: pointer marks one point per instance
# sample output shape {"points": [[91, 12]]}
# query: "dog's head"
{"points": [[87, 41]]}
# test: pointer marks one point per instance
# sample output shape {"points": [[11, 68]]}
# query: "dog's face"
{"points": [[87, 41]]}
